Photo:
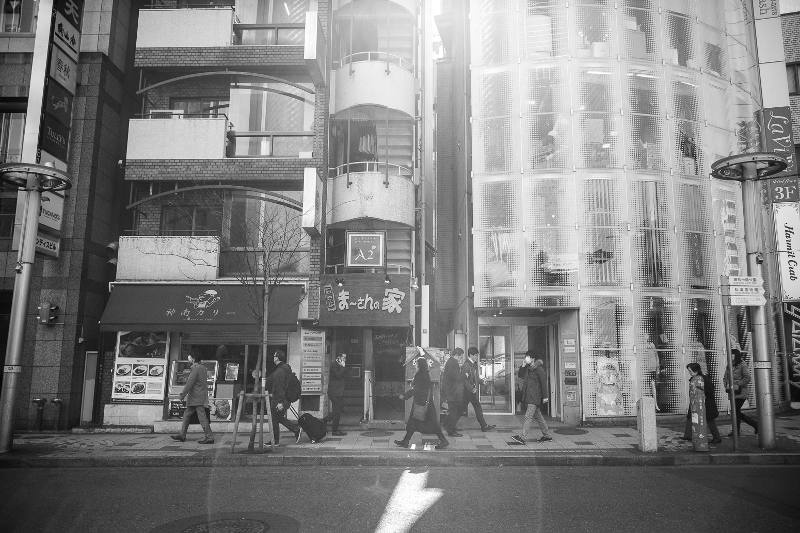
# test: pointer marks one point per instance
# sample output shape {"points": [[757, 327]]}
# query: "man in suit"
{"points": [[336, 378], [453, 391], [471, 383]]}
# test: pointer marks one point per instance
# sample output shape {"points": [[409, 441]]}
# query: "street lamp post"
{"points": [[32, 180], [748, 169]]}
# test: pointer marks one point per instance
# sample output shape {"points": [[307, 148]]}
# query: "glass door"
{"points": [[496, 369]]}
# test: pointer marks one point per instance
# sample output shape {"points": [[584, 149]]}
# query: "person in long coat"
{"points": [[740, 389], [453, 391], [421, 391], [702, 414], [195, 392], [534, 396]]}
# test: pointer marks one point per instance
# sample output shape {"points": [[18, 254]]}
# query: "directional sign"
{"points": [[741, 290], [752, 281], [754, 300]]}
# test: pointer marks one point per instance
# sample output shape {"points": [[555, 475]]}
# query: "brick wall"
{"points": [[791, 37], [229, 170], [228, 56]]}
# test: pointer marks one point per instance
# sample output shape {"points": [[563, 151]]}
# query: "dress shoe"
{"points": [[442, 445], [545, 438], [206, 440], [178, 438], [455, 434], [715, 441], [488, 427], [338, 433], [402, 443], [686, 439]]}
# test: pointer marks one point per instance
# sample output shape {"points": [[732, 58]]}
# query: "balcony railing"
{"points": [[248, 262], [387, 57], [270, 144], [387, 169]]}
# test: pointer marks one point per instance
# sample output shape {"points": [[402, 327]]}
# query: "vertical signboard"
{"points": [[791, 325], [787, 230], [312, 343], [61, 82]]}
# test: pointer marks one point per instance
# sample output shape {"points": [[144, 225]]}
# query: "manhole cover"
{"points": [[376, 433], [570, 431], [231, 523]]}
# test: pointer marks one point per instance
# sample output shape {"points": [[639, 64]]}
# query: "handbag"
{"points": [[418, 412]]}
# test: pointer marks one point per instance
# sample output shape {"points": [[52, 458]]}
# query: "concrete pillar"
{"points": [[646, 424]]}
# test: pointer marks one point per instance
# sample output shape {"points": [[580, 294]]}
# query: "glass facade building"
{"points": [[594, 127]]}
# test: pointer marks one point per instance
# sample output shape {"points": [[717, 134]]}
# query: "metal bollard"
{"points": [[39, 412], [59, 403]]}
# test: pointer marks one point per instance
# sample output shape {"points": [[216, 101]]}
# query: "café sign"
{"points": [[365, 300]]}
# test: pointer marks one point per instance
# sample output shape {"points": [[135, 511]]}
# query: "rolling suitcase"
{"points": [[311, 425]]}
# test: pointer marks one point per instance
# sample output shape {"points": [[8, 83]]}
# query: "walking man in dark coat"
{"points": [[453, 391], [472, 381], [195, 393], [277, 382], [336, 378], [534, 396]]}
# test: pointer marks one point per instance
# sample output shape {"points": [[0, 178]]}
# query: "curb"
{"points": [[405, 459]]}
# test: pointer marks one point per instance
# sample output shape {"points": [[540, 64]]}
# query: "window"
{"points": [[11, 130], [191, 220], [17, 16], [793, 77], [8, 207], [200, 107]]}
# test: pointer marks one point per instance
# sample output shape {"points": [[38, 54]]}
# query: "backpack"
{"points": [[292, 388]]}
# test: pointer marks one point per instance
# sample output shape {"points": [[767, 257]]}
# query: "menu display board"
{"points": [[313, 345], [140, 367]]}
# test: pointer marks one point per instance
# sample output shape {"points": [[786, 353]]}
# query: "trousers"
{"points": [[534, 412]]}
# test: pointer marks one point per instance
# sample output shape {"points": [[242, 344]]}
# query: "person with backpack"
{"points": [[281, 387]]}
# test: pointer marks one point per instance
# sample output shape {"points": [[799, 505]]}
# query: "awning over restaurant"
{"points": [[196, 308]]}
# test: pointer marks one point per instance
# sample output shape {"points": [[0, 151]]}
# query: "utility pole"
{"points": [[749, 169]]}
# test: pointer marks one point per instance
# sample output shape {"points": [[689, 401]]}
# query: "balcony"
{"points": [[184, 136], [185, 28], [377, 79], [408, 5], [373, 190], [207, 37], [150, 258]]}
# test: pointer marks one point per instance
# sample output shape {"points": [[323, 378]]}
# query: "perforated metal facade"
{"points": [[594, 125]]}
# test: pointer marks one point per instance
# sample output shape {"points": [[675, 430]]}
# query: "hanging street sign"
{"points": [[753, 300], [740, 290], [750, 281]]}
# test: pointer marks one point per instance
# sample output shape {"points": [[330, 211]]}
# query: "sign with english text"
{"points": [[55, 137], [776, 124], [365, 300], [787, 232], [365, 249], [791, 327]]}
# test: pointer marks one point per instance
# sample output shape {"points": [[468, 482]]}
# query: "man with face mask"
{"points": [[534, 396]]}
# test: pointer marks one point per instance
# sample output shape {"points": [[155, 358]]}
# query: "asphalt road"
{"points": [[504, 499]]}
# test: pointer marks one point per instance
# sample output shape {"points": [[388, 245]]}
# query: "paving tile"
{"points": [[583, 443], [621, 435], [485, 447]]}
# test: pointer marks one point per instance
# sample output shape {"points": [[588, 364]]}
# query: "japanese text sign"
{"points": [[365, 300]]}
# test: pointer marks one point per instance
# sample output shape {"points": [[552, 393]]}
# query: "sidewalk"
{"points": [[364, 446]]}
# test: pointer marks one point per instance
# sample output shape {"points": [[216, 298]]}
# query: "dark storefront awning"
{"points": [[199, 308]]}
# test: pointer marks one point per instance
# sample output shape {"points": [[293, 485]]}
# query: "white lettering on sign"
{"points": [[391, 302], [762, 364], [12, 369]]}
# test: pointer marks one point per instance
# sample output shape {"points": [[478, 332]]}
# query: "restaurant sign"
{"points": [[365, 300]]}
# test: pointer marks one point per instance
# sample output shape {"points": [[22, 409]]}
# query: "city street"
{"points": [[504, 499]]}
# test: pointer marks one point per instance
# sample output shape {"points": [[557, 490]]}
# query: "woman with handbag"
{"points": [[424, 417]]}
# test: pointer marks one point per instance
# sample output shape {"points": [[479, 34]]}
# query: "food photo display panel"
{"points": [[140, 367]]}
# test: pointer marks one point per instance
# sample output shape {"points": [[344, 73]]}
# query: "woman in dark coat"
{"points": [[421, 392], [701, 385]]}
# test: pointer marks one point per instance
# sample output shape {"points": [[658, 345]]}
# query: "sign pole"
{"points": [[734, 420]]}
